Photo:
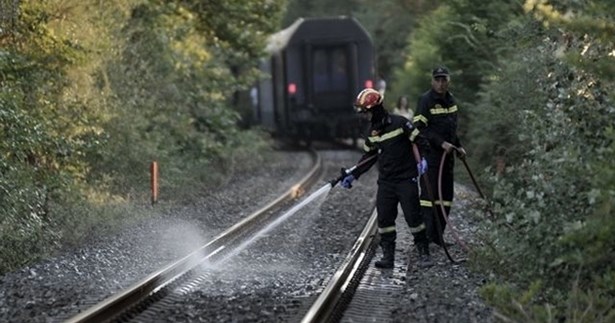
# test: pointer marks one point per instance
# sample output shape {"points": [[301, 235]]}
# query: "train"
{"points": [[315, 67]]}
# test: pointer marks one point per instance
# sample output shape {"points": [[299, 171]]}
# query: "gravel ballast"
{"points": [[271, 280]]}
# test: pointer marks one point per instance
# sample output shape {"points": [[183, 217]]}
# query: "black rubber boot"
{"points": [[424, 257], [388, 255]]}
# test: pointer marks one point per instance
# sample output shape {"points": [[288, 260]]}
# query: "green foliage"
{"points": [[548, 226], [172, 85], [424, 53], [464, 36], [93, 91], [513, 305], [506, 93], [389, 23], [537, 111], [553, 211], [40, 134], [590, 18]]}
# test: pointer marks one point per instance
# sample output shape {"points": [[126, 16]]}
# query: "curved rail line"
{"points": [[329, 306], [112, 307]]}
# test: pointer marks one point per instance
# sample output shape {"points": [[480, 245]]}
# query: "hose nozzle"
{"points": [[344, 172]]}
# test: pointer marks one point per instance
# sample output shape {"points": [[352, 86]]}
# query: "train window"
{"points": [[330, 69]]}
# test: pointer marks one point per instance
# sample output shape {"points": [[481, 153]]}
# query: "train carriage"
{"points": [[317, 66]]}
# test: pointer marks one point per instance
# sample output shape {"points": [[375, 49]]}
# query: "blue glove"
{"points": [[422, 166], [347, 181]]}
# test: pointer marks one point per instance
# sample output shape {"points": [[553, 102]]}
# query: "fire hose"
{"points": [[430, 194], [436, 221], [444, 214], [441, 201]]}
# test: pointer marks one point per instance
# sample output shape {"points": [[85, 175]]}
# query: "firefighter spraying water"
{"points": [[390, 143]]}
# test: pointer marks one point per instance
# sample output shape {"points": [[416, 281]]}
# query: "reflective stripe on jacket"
{"points": [[390, 139], [436, 118]]}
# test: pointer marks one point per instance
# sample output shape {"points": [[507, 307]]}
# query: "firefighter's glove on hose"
{"points": [[461, 153], [447, 146], [347, 181], [422, 166]]}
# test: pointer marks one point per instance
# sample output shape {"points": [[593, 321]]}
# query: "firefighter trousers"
{"points": [[405, 193], [433, 212]]}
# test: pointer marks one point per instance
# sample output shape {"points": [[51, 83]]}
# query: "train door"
{"points": [[332, 78], [265, 105]]}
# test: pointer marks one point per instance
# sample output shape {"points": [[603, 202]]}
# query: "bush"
{"points": [[91, 92], [552, 233]]}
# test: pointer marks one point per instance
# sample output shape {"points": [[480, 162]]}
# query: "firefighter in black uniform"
{"points": [[436, 122], [389, 141]]}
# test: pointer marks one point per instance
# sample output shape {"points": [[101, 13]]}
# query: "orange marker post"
{"points": [[154, 173]]}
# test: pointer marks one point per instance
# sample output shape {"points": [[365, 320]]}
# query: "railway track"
{"points": [[162, 289], [207, 286], [331, 304], [133, 300], [290, 274]]}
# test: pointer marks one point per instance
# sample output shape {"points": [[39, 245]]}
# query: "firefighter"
{"points": [[389, 141], [436, 121]]}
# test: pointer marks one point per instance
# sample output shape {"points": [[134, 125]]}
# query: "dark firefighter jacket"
{"points": [[390, 140], [436, 119]]}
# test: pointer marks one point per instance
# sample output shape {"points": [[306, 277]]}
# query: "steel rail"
{"points": [[329, 303], [111, 307]]}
